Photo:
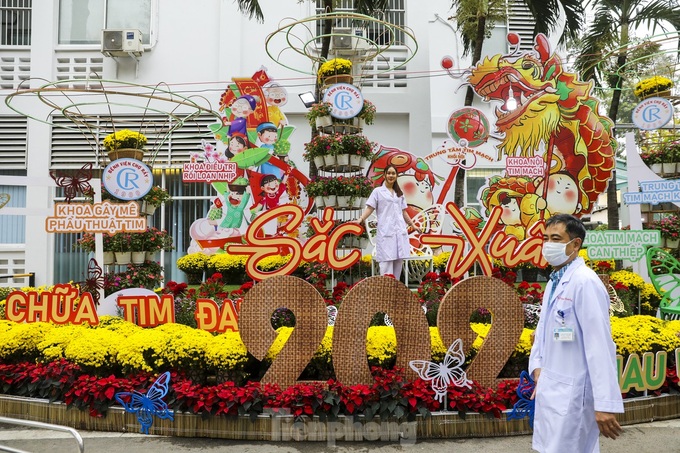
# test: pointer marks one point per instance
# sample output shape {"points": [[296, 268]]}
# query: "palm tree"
{"points": [[614, 23], [476, 18], [367, 7]]}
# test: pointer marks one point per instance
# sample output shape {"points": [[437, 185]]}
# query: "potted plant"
{"points": [[670, 155], [337, 70], [653, 86], [85, 243], [670, 230], [324, 189], [652, 159], [154, 198], [358, 148], [362, 186], [322, 150], [194, 266], [120, 243], [319, 115], [125, 143], [137, 245], [367, 113], [109, 257]]}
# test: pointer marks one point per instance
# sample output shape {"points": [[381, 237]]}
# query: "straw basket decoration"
{"points": [[349, 358], [508, 320], [338, 78], [257, 333], [122, 153]]}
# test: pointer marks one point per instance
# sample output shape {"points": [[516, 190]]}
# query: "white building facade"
{"points": [[192, 49]]}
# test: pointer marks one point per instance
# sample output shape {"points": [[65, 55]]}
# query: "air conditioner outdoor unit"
{"points": [[122, 43], [342, 38], [348, 41]]}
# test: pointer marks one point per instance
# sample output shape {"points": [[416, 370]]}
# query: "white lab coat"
{"points": [[391, 240], [577, 377]]}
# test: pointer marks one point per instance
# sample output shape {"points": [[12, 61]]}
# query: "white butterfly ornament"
{"points": [[446, 373]]}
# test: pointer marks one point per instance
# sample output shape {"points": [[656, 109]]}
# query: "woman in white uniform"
{"points": [[391, 242]]}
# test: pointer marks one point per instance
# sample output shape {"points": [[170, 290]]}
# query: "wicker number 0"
{"points": [[258, 335], [507, 323], [368, 297]]}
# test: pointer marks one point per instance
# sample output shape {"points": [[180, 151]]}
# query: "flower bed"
{"points": [[85, 367]]}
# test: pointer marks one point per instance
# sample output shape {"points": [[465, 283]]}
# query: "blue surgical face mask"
{"points": [[555, 253]]}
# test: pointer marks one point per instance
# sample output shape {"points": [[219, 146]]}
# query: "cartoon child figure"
{"points": [[562, 198], [240, 110], [563, 193], [272, 190], [267, 135], [237, 144], [236, 199], [215, 213], [512, 194], [276, 96]]}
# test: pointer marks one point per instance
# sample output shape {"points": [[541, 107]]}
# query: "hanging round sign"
{"points": [[346, 100], [652, 113], [127, 179], [468, 127]]}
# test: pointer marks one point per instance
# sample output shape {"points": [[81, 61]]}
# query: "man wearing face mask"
{"points": [[573, 358]]}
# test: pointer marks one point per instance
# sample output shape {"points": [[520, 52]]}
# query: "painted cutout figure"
{"points": [[240, 110], [276, 96], [272, 190], [236, 200]]}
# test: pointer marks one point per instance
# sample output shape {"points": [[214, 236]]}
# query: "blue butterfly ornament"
{"points": [[145, 406]]}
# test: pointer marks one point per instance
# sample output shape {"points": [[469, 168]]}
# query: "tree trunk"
{"points": [[459, 188], [612, 200], [325, 50]]}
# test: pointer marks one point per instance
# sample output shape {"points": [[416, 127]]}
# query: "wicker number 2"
{"points": [[372, 295], [507, 323], [258, 334]]}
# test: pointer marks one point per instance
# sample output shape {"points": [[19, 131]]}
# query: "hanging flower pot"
{"points": [[138, 257], [329, 160], [109, 258], [668, 168], [319, 162], [653, 86], [125, 144], [657, 168], [319, 202], [343, 202], [324, 121], [355, 162], [338, 78], [151, 256], [672, 243], [122, 153], [150, 209], [123, 257], [330, 201], [342, 159]]}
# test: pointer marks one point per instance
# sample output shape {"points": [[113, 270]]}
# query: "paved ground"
{"points": [[642, 438]]}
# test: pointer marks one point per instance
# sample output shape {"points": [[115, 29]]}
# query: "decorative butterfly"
{"points": [[664, 270], [427, 221], [74, 184], [615, 302], [145, 406], [446, 373], [332, 311], [4, 199], [94, 280], [525, 406]]}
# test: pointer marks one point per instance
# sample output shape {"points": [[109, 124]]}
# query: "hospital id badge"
{"points": [[563, 334]]}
